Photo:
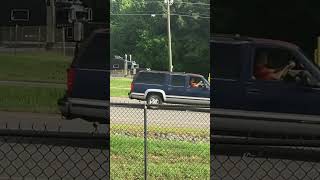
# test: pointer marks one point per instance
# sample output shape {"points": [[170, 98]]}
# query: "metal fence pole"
{"points": [[16, 39], [145, 142], [63, 41], [39, 36]]}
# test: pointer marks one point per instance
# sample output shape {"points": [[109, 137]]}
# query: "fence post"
{"points": [[16, 40], [39, 36], [145, 142], [63, 41]]}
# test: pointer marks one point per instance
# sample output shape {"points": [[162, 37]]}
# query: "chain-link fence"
{"points": [[34, 154], [34, 39], [161, 142], [261, 158]]}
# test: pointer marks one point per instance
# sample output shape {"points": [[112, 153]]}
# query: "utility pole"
{"points": [[51, 22], [126, 65], [169, 3]]}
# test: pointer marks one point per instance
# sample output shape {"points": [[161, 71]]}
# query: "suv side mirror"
{"points": [[205, 86], [302, 78]]}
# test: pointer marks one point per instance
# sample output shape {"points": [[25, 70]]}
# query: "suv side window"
{"points": [[95, 54], [270, 64], [226, 60], [178, 80], [150, 78]]}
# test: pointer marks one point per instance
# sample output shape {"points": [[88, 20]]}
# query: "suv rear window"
{"points": [[178, 80], [150, 78], [226, 62], [94, 53]]}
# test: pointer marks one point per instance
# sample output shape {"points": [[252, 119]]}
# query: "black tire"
{"points": [[154, 99]]}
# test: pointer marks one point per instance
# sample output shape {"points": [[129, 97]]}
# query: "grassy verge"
{"points": [[138, 129], [30, 99], [120, 87], [166, 159], [40, 66]]}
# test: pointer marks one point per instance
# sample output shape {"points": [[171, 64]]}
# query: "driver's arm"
{"points": [[279, 74]]}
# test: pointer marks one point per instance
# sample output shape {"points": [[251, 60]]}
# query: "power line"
{"points": [[194, 16], [202, 4], [155, 14], [190, 3], [133, 14]]}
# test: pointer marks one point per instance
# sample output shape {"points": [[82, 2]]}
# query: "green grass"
{"points": [[40, 66], [29, 99], [166, 159], [120, 87]]}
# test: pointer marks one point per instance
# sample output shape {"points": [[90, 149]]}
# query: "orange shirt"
{"points": [[263, 73]]}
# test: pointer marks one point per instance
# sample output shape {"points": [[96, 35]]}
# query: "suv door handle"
{"points": [[253, 91]]}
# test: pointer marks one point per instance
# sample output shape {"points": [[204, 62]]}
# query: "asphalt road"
{"points": [[157, 117], [119, 115]]}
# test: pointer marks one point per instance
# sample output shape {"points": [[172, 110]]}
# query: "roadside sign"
{"points": [[23, 13], [20, 15]]}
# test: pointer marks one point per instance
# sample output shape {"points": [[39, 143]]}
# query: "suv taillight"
{"points": [[71, 77], [131, 87]]}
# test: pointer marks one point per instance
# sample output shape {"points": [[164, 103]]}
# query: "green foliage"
{"points": [[145, 36]]}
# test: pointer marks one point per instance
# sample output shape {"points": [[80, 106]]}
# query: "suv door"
{"points": [[198, 95], [281, 95], [226, 69], [176, 89]]}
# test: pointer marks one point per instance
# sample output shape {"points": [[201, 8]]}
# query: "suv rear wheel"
{"points": [[154, 99]]}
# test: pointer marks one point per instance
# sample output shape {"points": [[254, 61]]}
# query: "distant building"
{"points": [[100, 10], [118, 63], [37, 12]]}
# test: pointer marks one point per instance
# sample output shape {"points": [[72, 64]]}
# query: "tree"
{"points": [[145, 36]]}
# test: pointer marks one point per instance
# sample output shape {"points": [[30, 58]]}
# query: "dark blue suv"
{"points": [[157, 87], [245, 101], [87, 94]]}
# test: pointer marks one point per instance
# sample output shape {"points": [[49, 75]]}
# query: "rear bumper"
{"points": [[64, 107], [139, 96], [84, 109]]}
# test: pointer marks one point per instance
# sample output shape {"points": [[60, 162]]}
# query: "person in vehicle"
{"points": [[194, 83], [262, 72]]}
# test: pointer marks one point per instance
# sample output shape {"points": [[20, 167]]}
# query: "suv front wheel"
{"points": [[154, 99]]}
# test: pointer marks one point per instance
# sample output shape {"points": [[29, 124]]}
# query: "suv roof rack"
{"points": [[155, 71]]}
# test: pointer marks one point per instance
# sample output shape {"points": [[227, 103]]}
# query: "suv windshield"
{"points": [[206, 82], [314, 68]]}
